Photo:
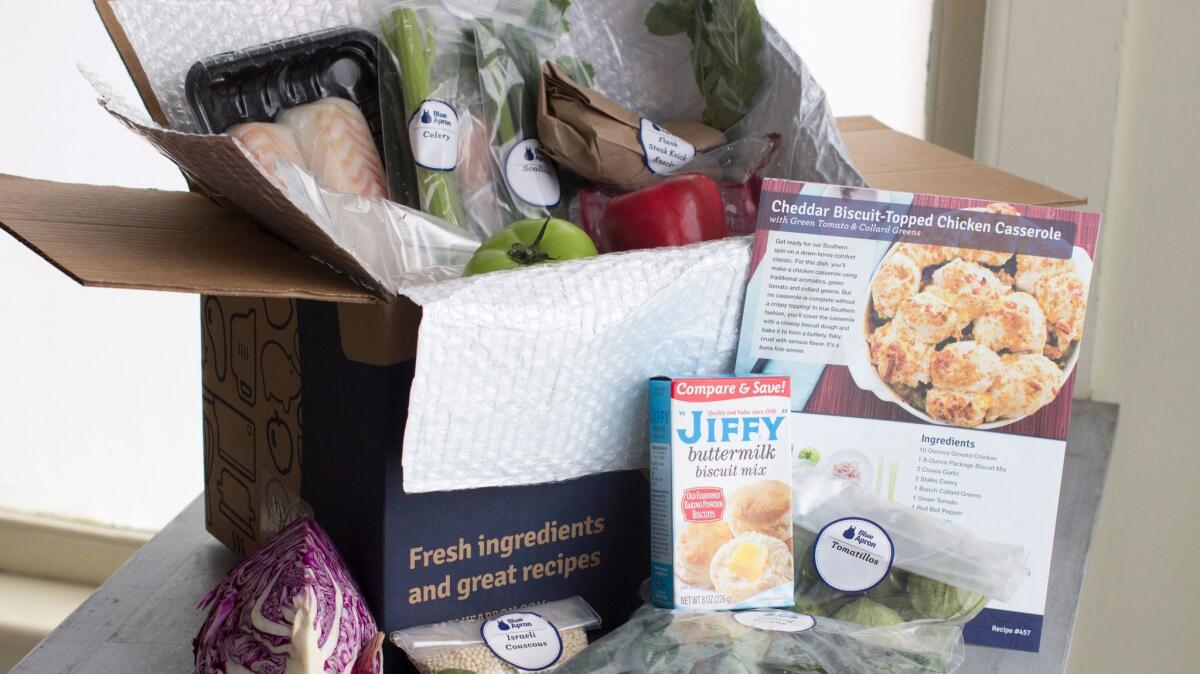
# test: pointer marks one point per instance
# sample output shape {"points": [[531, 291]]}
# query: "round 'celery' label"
{"points": [[531, 176], [853, 554], [774, 620], [665, 152], [433, 134], [524, 640]]}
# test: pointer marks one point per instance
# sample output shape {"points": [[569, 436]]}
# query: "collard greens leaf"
{"points": [[672, 17], [727, 58]]}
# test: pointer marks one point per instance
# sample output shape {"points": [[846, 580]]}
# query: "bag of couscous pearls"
{"points": [[537, 638]]}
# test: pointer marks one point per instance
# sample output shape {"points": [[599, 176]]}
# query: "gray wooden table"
{"points": [[143, 619]]}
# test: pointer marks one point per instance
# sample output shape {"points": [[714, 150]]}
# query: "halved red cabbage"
{"points": [[289, 608]]}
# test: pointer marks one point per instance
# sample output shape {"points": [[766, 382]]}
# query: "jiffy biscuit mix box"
{"points": [[720, 492]]}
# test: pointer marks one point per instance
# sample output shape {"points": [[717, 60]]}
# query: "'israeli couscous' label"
{"points": [[771, 620], [852, 554], [433, 134], [721, 492], [526, 641]]}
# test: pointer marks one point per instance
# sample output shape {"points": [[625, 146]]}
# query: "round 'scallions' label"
{"points": [[524, 640], [853, 554], [665, 152], [433, 134], [531, 176], [774, 620]]}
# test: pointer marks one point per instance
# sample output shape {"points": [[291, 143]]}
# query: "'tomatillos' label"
{"points": [[665, 152], [853, 554], [526, 641], [770, 620], [433, 134], [530, 176]]}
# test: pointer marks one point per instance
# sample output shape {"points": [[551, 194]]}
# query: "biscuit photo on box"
{"points": [[694, 552]]}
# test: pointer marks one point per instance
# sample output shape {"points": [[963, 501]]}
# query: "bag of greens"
{"points": [[865, 559], [512, 41], [433, 42], [657, 640], [729, 52]]}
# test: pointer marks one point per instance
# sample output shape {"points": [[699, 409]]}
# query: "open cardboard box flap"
{"points": [[160, 240], [177, 241]]}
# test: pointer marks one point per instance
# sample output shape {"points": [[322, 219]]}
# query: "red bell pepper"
{"points": [[675, 212]]}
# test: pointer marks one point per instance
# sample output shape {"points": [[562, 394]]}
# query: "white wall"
{"points": [[1139, 610], [870, 56], [1048, 107], [99, 389]]}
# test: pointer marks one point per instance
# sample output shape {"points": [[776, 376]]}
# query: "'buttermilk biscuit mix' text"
{"points": [[720, 492]]}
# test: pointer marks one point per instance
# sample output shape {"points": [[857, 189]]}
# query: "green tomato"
{"points": [[530, 242]]}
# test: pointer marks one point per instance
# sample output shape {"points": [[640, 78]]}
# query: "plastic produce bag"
{"points": [[728, 52], [538, 638], [434, 44], [512, 40], [666, 641], [871, 561]]}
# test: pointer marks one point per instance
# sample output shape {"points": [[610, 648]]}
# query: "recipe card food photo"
{"points": [[931, 343]]}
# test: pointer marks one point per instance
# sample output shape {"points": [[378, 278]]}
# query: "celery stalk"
{"points": [[416, 49]]}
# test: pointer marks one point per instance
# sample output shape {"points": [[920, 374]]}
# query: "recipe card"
{"points": [[931, 343]]}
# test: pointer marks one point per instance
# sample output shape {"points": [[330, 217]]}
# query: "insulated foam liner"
{"points": [[539, 374]]}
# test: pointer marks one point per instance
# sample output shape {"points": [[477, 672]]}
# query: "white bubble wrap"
{"points": [[540, 374]]}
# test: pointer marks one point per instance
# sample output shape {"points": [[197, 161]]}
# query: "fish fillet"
{"points": [[337, 146], [266, 144]]}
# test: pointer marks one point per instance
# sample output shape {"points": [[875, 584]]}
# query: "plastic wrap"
{"points": [[940, 571], [512, 41], [413, 241], [769, 641], [546, 636], [435, 49]]}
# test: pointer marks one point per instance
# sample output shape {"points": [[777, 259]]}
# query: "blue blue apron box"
{"points": [[309, 399]]}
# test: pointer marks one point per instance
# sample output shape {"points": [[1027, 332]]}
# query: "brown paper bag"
{"points": [[607, 144]]}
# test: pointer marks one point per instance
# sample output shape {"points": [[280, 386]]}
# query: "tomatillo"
{"points": [[530, 242]]}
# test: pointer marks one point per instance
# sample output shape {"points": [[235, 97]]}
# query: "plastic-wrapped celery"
{"points": [[436, 53]]}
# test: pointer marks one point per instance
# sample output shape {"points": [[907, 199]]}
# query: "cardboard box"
{"points": [[306, 372], [306, 378]]}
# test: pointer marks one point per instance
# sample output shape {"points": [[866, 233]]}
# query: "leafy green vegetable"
{"points": [[727, 52], [413, 41], [672, 17], [939, 601], [661, 641], [868, 613]]}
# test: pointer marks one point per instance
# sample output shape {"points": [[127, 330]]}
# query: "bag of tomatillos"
{"points": [[538, 638], [766, 641], [865, 559]]}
